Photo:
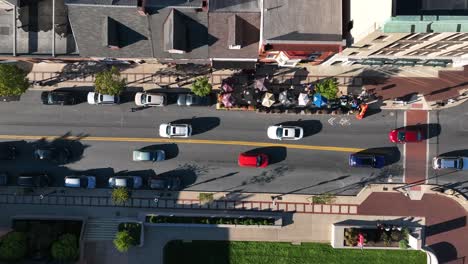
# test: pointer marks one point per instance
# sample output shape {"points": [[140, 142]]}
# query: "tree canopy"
{"points": [[13, 246], [13, 81], [201, 86], [328, 88], [123, 241], [109, 82], [66, 248]]}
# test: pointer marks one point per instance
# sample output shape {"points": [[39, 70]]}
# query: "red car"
{"points": [[253, 160], [403, 135]]}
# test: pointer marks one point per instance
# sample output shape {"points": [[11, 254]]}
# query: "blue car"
{"points": [[366, 160]]}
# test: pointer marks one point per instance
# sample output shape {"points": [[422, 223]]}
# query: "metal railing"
{"points": [[170, 203]]}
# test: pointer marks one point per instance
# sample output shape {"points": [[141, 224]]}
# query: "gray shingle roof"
{"points": [[137, 36], [234, 6], [303, 20]]}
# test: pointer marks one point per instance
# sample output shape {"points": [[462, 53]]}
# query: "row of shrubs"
{"points": [[154, 219]]}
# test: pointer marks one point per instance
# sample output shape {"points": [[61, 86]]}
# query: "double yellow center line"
{"points": [[185, 141]]}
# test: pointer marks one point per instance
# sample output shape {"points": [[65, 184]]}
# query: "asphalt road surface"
{"points": [[212, 164], [452, 141]]}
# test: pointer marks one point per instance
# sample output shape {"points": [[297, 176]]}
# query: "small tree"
{"points": [[13, 246], [13, 81], [328, 88], [205, 197], [120, 195], [109, 82], [123, 241], [201, 86], [324, 198], [66, 248]]}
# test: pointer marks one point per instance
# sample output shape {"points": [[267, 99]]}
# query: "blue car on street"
{"points": [[366, 160]]}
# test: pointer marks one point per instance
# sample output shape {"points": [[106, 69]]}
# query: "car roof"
{"points": [[248, 159], [72, 181]]}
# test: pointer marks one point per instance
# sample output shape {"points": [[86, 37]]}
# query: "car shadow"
{"points": [[455, 153], [187, 176], [392, 154], [129, 96], [429, 130], [275, 154], [171, 150], [310, 127], [200, 124]]}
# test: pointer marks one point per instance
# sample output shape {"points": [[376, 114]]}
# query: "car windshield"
{"points": [[401, 135], [84, 182], [279, 132], [297, 132], [143, 98], [460, 163], [96, 97], [259, 161]]}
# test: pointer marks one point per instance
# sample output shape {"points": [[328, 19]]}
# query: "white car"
{"points": [[88, 182], [102, 99], [285, 132], [175, 130], [457, 163], [149, 155], [150, 99]]}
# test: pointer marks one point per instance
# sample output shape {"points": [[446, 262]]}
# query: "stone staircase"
{"points": [[101, 229]]}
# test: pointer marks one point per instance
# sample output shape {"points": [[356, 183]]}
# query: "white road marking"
{"points": [[345, 122], [330, 121], [427, 146], [404, 151]]}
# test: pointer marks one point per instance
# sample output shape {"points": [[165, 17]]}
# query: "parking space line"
{"points": [[186, 141]]}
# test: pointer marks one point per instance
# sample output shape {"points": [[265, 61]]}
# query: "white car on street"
{"points": [[150, 99], [285, 132], [175, 130], [102, 99]]}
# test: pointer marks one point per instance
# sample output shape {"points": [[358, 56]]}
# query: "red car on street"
{"points": [[257, 160], [403, 135]]}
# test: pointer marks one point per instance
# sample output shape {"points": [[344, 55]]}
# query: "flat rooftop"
{"points": [[303, 20], [431, 7]]}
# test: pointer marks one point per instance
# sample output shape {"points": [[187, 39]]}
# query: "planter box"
{"points": [[374, 240], [231, 220], [142, 233]]}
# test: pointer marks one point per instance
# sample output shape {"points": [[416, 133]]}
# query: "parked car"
{"points": [[88, 182], [53, 154], [404, 135], [285, 132], [253, 160], [150, 99], [165, 183], [7, 151], [131, 182], [366, 160], [33, 180], [58, 98], [149, 155], [193, 100], [102, 99], [175, 130], [457, 163], [3, 178]]}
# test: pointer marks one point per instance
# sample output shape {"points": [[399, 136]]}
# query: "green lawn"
{"points": [[223, 252]]}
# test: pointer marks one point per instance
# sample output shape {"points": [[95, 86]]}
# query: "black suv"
{"points": [[58, 98], [33, 180], [7, 151]]}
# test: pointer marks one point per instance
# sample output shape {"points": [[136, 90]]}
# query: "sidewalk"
{"points": [[374, 202]]}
